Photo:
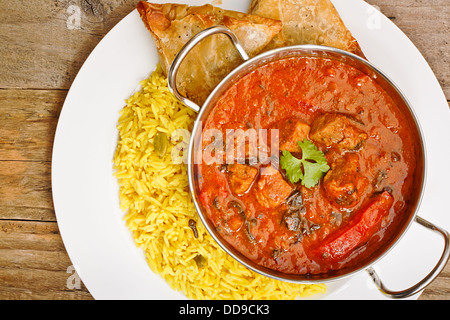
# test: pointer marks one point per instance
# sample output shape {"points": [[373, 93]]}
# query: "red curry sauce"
{"points": [[365, 139]]}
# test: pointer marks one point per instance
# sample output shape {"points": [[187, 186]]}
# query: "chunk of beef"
{"points": [[272, 188], [292, 131], [292, 220], [337, 129], [241, 177], [343, 183]]}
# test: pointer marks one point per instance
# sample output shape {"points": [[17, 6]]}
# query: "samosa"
{"points": [[307, 22], [172, 25]]}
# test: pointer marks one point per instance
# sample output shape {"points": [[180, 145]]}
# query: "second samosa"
{"points": [[307, 22]]}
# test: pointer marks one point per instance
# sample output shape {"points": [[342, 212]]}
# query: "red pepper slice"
{"points": [[363, 226]]}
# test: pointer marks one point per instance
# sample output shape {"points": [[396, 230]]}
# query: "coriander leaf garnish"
{"points": [[310, 168], [292, 165]]}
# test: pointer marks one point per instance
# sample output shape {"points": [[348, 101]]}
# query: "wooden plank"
{"points": [[25, 191], [17, 283], [30, 235], [33, 260], [427, 24], [42, 44], [28, 122], [34, 263], [439, 289]]}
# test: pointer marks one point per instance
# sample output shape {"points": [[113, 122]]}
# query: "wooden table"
{"points": [[43, 46]]}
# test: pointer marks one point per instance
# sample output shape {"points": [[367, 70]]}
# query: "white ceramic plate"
{"points": [[85, 193]]}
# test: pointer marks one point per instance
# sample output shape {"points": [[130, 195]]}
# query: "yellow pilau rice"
{"points": [[154, 193]]}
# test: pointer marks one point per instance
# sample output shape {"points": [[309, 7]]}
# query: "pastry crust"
{"points": [[307, 22], [172, 25]]}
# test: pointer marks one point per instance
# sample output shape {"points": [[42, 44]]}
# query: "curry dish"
{"points": [[341, 178]]}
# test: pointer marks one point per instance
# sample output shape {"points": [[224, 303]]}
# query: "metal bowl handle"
{"points": [[425, 281], [172, 75]]}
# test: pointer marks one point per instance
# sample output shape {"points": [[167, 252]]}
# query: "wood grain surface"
{"points": [[42, 48]]}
